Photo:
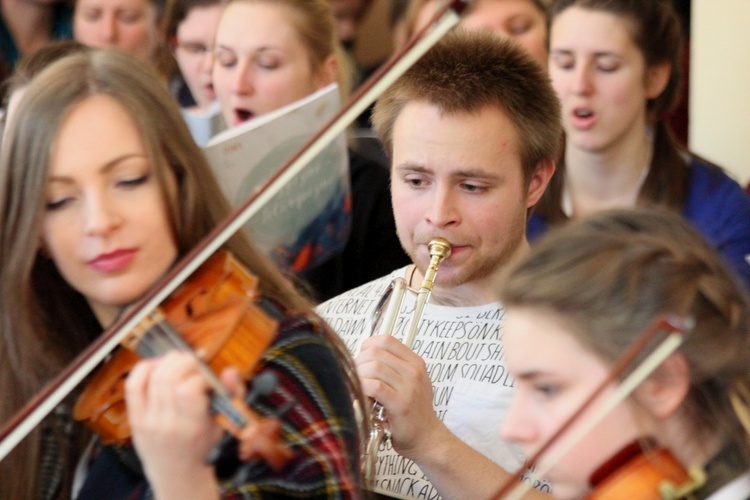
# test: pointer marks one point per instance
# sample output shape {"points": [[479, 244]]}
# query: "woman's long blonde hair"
{"points": [[44, 323]]}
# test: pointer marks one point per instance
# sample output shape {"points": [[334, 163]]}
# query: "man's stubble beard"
{"points": [[478, 268]]}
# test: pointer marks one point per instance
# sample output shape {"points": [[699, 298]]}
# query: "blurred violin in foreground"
{"points": [[644, 471], [641, 469]]}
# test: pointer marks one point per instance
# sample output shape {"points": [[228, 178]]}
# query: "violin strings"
{"points": [[161, 338]]}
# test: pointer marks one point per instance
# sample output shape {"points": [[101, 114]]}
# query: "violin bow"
{"points": [[52, 394], [676, 328]]}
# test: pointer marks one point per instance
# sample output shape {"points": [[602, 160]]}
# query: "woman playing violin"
{"points": [[586, 293], [102, 190]]}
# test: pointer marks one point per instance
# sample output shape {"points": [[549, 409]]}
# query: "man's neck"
{"points": [[477, 292], [466, 295]]}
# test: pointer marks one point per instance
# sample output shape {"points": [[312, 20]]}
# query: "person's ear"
{"points": [[538, 182], [666, 389], [657, 78], [327, 73]]}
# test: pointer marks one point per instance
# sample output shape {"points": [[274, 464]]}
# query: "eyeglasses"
{"points": [[195, 49]]}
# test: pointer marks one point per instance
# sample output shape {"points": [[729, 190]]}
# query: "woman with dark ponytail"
{"points": [[615, 65]]}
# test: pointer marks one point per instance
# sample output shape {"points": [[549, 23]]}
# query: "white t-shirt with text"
{"points": [[464, 351]]}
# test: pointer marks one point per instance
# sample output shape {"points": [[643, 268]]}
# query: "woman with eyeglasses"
{"points": [[190, 32]]}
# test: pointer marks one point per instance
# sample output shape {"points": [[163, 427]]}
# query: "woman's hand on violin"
{"points": [[173, 430], [394, 375]]}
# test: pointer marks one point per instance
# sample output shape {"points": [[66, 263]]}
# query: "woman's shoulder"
{"points": [[305, 359], [720, 209], [295, 330], [710, 187], [308, 394], [703, 170]]}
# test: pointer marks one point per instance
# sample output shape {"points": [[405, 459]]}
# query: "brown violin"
{"points": [[644, 471], [215, 315], [654, 467]]}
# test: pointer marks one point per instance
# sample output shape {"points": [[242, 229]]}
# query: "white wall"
{"points": [[719, 126]]}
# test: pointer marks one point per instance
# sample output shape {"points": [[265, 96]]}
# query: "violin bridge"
{"points": [[134, 340], [668, 491]]}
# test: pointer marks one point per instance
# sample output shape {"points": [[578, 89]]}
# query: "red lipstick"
{"points": [[113, 261]]}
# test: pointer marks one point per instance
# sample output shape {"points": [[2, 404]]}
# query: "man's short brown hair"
{"points": [[468, 71]]}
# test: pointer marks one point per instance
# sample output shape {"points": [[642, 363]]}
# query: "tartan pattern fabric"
{"points": [[319, 428], [318, 425]]}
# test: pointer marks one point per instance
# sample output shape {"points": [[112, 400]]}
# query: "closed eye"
{"points": [[133, 182], [519, 28], [91, 15], [607, 67], [608, 63], [130, 17], [547, 390], [225, 58], [563, 61], [194, 48], [268, 62], [57, 204]]}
